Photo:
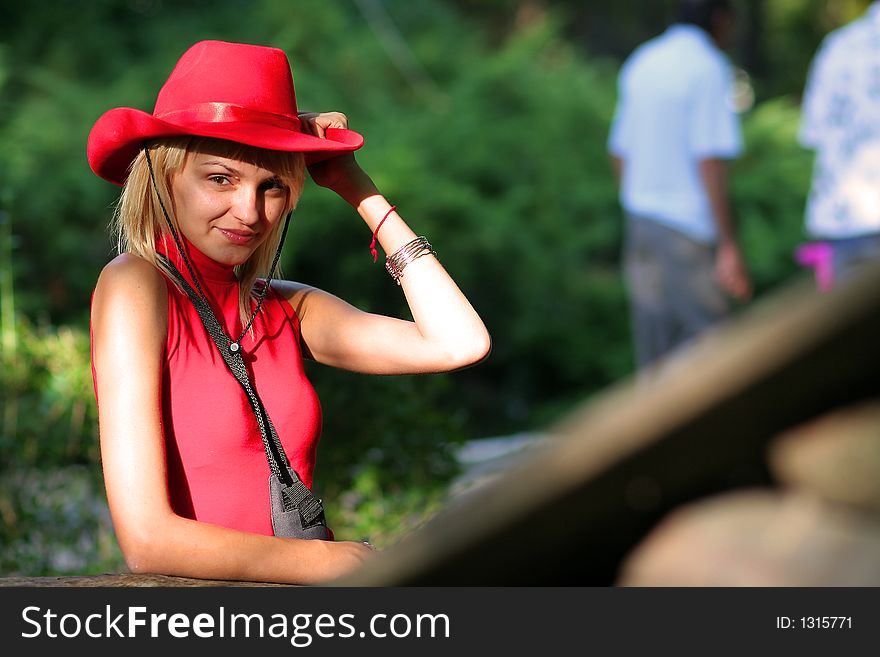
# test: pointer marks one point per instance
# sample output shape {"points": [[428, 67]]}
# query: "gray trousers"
{"points": [[673, 294], [852, 254]]}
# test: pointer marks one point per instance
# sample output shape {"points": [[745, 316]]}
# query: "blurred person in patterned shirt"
{"points": [[841, 122]]}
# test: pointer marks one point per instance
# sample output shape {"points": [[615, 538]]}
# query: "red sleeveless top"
{"points": [[217, 467]]}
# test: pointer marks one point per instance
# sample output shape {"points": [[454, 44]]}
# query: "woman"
{"points": [[208, 179]]}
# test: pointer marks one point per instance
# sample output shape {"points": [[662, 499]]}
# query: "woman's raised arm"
{"points": [[445, 333]]}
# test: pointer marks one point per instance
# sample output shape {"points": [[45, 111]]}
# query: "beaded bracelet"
{"points": [[397, 261]]}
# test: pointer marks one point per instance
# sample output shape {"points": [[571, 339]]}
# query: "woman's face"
{"points": [[226, 207]]}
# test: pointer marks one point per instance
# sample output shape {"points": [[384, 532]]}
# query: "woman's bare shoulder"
{"points": [[299, 295], [128, 271], [128, 283]]}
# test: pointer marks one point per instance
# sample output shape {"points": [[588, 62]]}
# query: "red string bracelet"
{"points": [[376, 232]]}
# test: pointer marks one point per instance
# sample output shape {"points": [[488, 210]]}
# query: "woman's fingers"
{"points": [[317, 124]]}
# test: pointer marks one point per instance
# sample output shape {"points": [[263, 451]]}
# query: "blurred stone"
{"points": [[758, 538], [836, 456]]}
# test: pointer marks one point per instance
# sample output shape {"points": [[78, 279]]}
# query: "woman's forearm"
{"points": [[172, 545], [441, 312]]}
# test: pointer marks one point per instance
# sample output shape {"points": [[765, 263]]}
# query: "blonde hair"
{"points": [[138, 220]]}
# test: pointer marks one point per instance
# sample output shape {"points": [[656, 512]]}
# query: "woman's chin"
{"points": [[235, 261], [231, 257]]}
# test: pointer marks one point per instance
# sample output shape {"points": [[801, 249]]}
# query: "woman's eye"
{"points": [[273, 184], [219, 180]]}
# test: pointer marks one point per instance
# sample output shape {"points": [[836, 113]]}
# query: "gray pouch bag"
{"points": [[293, 517]]}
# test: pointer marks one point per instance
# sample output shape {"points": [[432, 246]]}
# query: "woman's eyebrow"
{"points": [[234, 171], [217, 163]]}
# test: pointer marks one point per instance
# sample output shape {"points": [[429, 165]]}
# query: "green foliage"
{"points": [[55, 522], [48, 401], [369, 511], [387, 450], [506, 173], [770, 185]]}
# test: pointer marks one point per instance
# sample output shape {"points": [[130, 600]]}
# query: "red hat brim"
{"points": [[118, 135]]}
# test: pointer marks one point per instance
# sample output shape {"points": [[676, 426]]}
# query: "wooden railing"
{"points": [[126, 580]]}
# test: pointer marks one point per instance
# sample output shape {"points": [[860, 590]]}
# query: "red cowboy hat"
{"points": [[231, 91]]}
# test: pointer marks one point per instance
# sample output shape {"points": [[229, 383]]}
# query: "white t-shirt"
{"points": [[841, 121], [674, 109]]}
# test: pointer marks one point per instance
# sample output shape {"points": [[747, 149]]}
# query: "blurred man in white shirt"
{"points": [[673, 132]]}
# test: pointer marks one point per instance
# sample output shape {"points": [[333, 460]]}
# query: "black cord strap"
{"points": [[298, 495]]}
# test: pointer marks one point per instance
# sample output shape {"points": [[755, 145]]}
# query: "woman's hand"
{"points": [[339, 173], [347, 556], [317, 123]]}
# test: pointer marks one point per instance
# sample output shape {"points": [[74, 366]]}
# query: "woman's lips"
{"points": [[237, 236]]}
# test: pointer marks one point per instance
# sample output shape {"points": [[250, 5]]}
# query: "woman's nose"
{"points": [[247, 206]]}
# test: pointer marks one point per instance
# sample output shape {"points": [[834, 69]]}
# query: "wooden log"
{"points": [[125, 580]]}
